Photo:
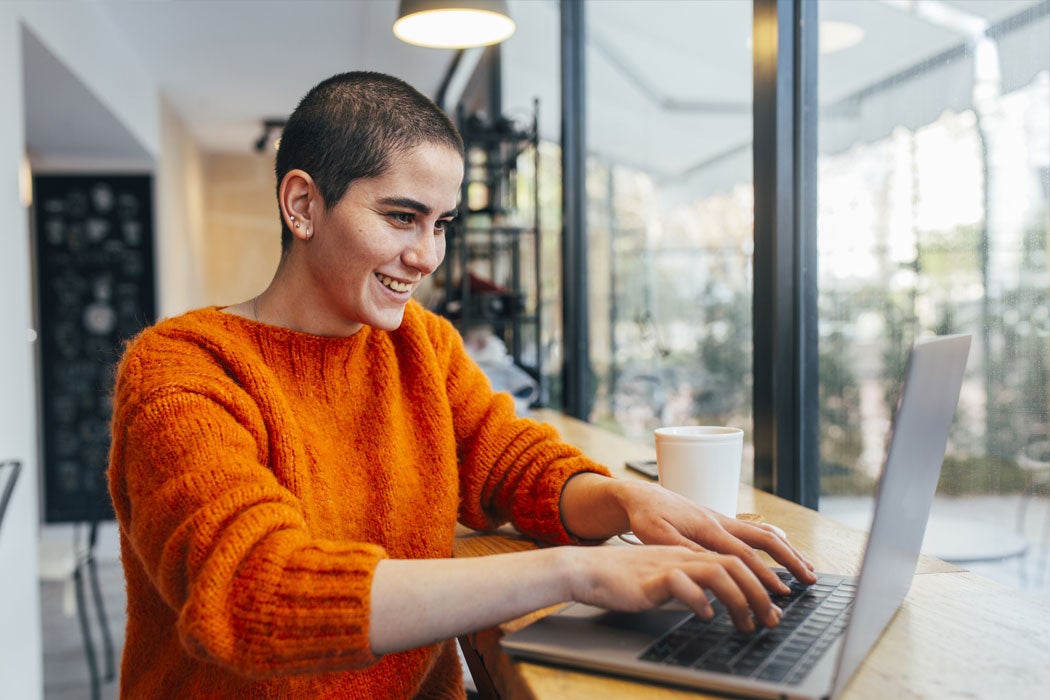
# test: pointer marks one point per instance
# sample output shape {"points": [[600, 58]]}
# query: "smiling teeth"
{"points": [[393, 283]]}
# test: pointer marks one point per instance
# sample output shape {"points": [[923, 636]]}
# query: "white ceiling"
{"points": [[225, 65]]}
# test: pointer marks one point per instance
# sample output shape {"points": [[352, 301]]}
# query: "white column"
{"points": [[21, 651]]}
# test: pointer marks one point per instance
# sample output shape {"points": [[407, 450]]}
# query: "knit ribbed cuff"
{"points": [[308, 612]]}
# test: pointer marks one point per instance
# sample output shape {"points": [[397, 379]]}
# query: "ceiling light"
{"points": [[453, 24], [269, 128]]}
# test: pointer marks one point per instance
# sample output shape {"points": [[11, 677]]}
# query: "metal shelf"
{"points": [[491, 264]]}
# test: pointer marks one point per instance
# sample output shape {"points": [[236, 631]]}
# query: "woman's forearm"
{"points": [[443, 598], [419, 602]]}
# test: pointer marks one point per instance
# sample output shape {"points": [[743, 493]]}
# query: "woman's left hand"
{"points": [[597, 507], [659, 516]]}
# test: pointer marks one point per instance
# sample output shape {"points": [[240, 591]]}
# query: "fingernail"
{"points": [[773, 618]]}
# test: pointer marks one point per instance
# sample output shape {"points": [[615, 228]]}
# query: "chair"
{"points": [[12, 468], [85, 572]]}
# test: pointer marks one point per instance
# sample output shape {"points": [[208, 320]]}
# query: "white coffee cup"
{"points": [[702, 463]]}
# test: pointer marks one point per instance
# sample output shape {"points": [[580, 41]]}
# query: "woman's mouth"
{"points": [[391, 283]]}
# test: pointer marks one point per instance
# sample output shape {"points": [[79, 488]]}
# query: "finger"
{"points": [[783, 538], [797, 553], [778, 548], [688, 592], [727, 543], [753, 589], [724, 586]]}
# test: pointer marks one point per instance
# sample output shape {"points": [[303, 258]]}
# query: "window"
{"points": [[669, 211], [933, 218]]}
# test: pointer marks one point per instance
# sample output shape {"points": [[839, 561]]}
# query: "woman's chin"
{"points": [[388, 319]]}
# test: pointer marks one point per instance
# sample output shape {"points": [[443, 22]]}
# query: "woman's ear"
{"points": [[298, 197]]}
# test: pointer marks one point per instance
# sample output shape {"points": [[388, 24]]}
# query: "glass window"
{"points": [[669, 214], [530, 80], [933, 218]]}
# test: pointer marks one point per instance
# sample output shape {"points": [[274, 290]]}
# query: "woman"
{"points": [[287, 472]]}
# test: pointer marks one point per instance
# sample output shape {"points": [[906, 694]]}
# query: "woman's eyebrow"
{"points": [[414, 205]]}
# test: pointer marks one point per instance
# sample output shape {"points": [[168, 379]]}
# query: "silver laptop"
{"points": [[828, 628]]}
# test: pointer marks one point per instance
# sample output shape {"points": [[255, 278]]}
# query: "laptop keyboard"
{"points": [[814, 616]]}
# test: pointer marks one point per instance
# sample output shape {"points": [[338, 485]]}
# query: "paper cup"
{"points": [[702, 463]]}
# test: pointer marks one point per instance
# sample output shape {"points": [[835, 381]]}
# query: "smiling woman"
{"points": [[288, 472]]}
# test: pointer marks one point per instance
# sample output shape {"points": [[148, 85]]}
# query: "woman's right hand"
{"points": [[632, 579], [419, 601]]}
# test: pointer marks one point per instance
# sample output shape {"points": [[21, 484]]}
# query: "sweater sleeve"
{"points": [[511, 469], [225, 545]]}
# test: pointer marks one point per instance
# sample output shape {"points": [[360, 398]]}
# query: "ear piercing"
{"points": [[299, 226]]}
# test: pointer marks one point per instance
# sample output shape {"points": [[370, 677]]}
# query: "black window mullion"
{"points": [[575, 317], [784, 302]]}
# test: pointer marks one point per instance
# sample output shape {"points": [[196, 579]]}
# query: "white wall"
{"points": [[179, 206], [21, 674], [83, 38]]}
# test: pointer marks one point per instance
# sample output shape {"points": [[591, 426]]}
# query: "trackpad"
{"points": [[641, 627], [651, 622]]}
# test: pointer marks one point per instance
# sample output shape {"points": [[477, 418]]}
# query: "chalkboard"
{"points": [[95, 289]]}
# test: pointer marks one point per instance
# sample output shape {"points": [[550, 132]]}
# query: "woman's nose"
{"points": [[426, 254]]}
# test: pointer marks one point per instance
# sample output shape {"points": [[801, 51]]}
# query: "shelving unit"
{"points": [[492, 265]]}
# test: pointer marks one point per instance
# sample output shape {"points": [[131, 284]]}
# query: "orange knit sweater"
{"points": [[259, 475]]}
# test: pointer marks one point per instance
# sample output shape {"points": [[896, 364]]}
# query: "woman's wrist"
{"points": [[592, 507], [574, 575]]}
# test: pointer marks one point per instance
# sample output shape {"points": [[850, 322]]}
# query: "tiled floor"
{"points": [[66, 674], [993, 519]]}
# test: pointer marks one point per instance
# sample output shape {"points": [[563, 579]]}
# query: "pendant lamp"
{"points": [[453, 24]]}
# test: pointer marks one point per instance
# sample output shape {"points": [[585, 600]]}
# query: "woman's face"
{"points": [[372, 249]]}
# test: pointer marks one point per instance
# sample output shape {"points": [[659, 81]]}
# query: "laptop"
{"points": [[828, 628]]}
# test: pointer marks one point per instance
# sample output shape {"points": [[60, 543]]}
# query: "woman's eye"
{"points": [[442, 225], [403, 218]]}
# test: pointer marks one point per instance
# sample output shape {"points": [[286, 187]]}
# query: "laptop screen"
{"points": [[916, 450]]}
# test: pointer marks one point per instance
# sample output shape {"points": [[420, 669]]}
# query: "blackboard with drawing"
{"points": [[95, 289]]}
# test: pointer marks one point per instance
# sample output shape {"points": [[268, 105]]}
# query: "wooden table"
{"points": [[957, 635]]}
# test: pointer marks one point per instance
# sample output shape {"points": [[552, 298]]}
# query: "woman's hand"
{"points": [[631, 579], [659, 516], [596, 507]]}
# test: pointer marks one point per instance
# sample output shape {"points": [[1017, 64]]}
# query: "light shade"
{"points": [[453, 24]]}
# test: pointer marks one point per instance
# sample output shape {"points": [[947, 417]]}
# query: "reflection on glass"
{"points": [[933, 219], [669, 214]]}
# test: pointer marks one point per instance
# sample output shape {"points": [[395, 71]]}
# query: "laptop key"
{"points": [[775, 671], [687, 655]]}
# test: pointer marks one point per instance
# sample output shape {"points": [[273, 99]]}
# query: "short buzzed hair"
{"points": [[353, 125]]}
